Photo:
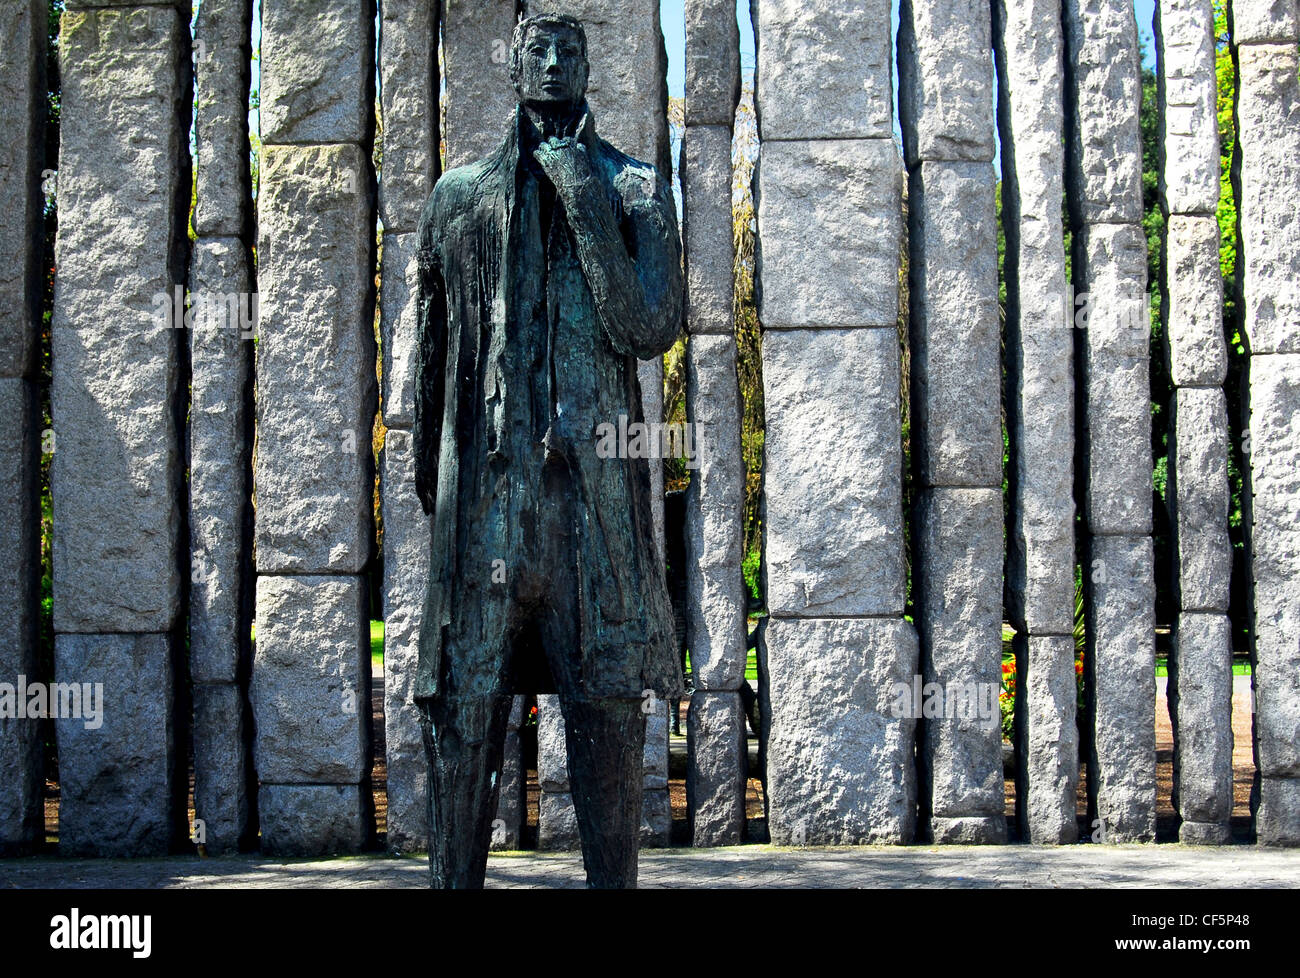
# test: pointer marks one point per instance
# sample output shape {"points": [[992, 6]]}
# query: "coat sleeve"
{"points": [[431, 357], [657, 252], [632, 262]]}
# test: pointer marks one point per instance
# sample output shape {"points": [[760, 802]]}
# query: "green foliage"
{"points": [[1226, 77], [749, 349], [751, 567]]}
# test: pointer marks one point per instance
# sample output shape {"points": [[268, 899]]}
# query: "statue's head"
{"points": [[548, 62]]}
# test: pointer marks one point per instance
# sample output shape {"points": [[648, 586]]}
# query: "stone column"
{"points": [[835, 652], [221, 432], [117, 403], [1104, 187], [1200, 666], [1040, 418], [716, 630], [408, 75], [628, 94], [476, 59], [1264, 37], [316, 406], [946, 100], [22, 245]]}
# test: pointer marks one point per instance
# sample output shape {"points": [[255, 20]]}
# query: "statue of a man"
{"points": [[546, 271]]}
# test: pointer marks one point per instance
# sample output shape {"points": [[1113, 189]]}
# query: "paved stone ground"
{"points": [[741, 867]]}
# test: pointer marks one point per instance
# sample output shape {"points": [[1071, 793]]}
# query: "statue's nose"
{"points": [[553, 61]]}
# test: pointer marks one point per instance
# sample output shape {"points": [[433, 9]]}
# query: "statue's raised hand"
{"points": [[566, 164]]}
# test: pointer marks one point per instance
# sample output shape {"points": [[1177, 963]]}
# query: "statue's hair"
{"points": [[541, 20]]}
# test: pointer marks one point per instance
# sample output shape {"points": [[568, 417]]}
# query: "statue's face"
{"points": [[552, 69]]}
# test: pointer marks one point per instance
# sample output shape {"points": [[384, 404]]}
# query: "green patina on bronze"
{"points": [[546, 271]]}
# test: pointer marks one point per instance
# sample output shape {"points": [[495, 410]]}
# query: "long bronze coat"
{"points": [[517, 367]]}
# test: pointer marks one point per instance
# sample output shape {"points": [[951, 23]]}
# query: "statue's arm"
{"points": [[430, 361], [637, 282]]}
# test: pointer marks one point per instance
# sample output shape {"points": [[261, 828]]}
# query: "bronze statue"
{"points": [[546, 271]]}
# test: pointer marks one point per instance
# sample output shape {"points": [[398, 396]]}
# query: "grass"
{"points": [[377, 644]]}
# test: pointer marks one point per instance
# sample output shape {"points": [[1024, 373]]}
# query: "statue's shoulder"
{"points": [[454, 189], [633, 179], [455, 193]]}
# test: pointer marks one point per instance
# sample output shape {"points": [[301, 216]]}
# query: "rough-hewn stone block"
{"points": [[1189, 178], [656, 819], [712, 62], [476, 37], [956, 346], [959, 623], [1105, 158], [1110, 262], [1268, 134], [716, 629], [831, 400], [1116, 440], [824, 69], [829, 227], [315, 360], [716, 596], [1047, 735], [839, 762], [707, 229], [716, 769], [1198, 356], [1121, 661], [311, 819], [1275, 560], [1198, 488], [221, 759], [311, 680], [552, 757], [221, 358], [317, 71], [654, 751], [406, 567], [945, 79], [117, 763], [1277, 817], [222, 75], [398, 318], [1200, 706], [1255, 21], [23, 25], [116, 473], [408, 71], [557, 822]]}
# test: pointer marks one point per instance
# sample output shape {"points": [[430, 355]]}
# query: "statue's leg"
{"points": [[606, 739], [605, 736], [463, 738]]}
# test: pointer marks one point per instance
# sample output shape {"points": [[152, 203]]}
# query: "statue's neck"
{"points": [[558, 122]]}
